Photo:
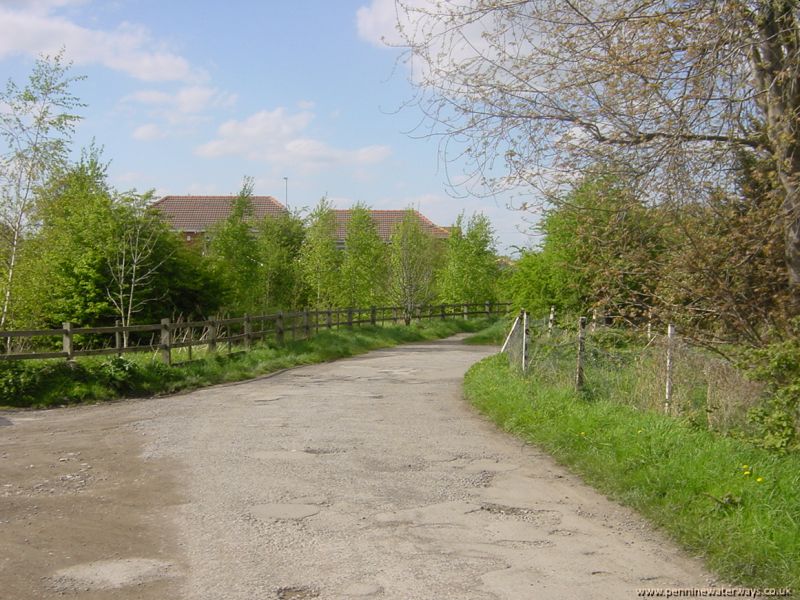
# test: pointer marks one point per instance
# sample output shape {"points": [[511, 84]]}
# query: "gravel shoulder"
{"points": [[363, 478]]}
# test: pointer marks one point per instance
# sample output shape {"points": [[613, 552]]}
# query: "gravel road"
{"points": [[363, 478]]}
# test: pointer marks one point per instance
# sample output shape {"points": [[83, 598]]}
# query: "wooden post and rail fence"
{"points": [[166, 336]]}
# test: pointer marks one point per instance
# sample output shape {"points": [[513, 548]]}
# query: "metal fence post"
{"points": [[668, 386], [166, 343], [551, 321], [525, 341], [67, 340], [581, 348]]}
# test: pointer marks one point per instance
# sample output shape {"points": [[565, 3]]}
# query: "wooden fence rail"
{"points": [[167, 335]]}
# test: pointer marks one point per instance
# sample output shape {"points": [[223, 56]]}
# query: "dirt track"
{"points": [[363, 478]]}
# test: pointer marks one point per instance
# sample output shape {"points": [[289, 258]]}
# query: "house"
{"points": [[194, 216], [387, 221]]}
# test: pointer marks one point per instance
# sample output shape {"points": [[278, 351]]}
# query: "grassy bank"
{"points": [[736, 505], [41, 384]]}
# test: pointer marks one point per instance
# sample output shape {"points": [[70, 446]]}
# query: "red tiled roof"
{"points": [[387, 220], [196, 214]]}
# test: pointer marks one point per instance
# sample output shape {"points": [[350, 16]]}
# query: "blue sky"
{"points": [[189, 97]]}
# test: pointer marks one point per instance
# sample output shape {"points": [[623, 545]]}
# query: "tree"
{"points": [[672, 90], [319, 258], [234, 253], [364, 262], [279, 240], [470, 270], [134, 261], [63, 268], [36, 125], [413, 260]]}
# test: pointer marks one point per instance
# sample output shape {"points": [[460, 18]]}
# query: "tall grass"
{"points": [[736, 505], [42, 384]]}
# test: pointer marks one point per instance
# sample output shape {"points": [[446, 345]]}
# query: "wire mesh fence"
{"points": [[643, 367]]}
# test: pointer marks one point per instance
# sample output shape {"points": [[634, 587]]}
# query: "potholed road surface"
{"points": [[362, 478]]}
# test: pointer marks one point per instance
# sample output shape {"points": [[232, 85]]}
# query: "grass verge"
{"points": [[41, 384], [735, 505]]}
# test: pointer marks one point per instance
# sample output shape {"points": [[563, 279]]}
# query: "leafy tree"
{"points": [[319, 258], [78, 266], [601, 249], [63, 268], [470, 271], [234, 252], [675, 90], [279, 240], [413, 259], [36, 125], [136, 257], [723, 276], [364, 267]]}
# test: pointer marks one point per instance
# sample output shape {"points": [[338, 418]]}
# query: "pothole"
{"points": [[284, 512], [481, 479], [323, 451], [297, 593], [111, 574], [523, 514]]}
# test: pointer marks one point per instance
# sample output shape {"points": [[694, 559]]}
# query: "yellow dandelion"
{"points": [[583, 433], [640, 431], [746, 473], [759, 480], [745, 467]]}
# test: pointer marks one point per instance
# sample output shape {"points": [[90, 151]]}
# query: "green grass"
{"points": [[41, 384], [493, 335], [689, 482]]}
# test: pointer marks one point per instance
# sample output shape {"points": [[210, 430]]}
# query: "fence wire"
{"points": [[629, 366]]}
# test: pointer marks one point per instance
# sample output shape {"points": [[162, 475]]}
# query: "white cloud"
{"points": [[33, 28], [277, 137], [148, 132], [186, 101]]}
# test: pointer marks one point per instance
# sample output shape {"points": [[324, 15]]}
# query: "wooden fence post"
{"points": [[668, 385], [67, 340], [328, 319], [581, 348], [118, 337], [212, 336], [373, 315], [442, 312], [306, 324], [166, 344], [551, 321], [465, 311], [248, 332], [349, 317], [279, 327], [488, 308]]}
